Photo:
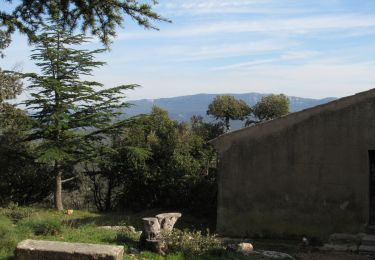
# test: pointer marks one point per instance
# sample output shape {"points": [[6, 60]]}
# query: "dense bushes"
{"points": [[156, 162], [23, 180], [15, 213], [193, 242], [150, 162]]}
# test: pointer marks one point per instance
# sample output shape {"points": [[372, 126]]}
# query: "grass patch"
{"points": [[48, 227], [17, 224], [8, 237]]}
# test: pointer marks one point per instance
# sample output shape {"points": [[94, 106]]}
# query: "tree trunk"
{"points": [[227, 124], [108, 205], [58, 189]]}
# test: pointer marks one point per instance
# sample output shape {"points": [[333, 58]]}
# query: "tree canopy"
{"points": [[271, 107], [98, 17], [4, 42], [10, 86], [226, 108]]}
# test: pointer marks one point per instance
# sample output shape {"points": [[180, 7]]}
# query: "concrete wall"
{"points": [[306, 173]]}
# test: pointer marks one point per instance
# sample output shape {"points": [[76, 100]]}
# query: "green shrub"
{"points": [[15, 213], [45, 227], [193, 242], [48, 227]]}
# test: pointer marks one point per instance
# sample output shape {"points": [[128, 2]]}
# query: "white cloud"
{"points": [[207, 7], [287, 56], [301, 25], [316, 79], [293, 55], [231, 50], [187, 52], [242, 65]]}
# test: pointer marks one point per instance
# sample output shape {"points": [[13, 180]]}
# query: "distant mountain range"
{"points": [[182, 108]]}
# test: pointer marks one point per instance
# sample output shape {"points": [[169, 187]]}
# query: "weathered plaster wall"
{"points": [[306, 173]]}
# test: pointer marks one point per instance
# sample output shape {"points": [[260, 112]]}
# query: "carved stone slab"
{"points": [[153, 228], [168, 220]]}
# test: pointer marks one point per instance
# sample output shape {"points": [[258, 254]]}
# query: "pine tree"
{"points": [[69, 112]]}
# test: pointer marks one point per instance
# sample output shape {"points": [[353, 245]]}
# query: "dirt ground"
{"points": [[333, 256]]}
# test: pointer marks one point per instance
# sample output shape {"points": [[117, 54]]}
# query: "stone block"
{"points": [[343, 238], [341, 247], [368, 240], [276, 255], [366, 249], [51, 250]]}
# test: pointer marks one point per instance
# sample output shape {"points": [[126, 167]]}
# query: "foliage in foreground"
{"points": [[157, 162]]}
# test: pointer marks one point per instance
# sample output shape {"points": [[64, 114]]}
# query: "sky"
{"points": [[301, 48]]}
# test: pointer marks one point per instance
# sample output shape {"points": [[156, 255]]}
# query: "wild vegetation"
{"points": [[69, 138]]}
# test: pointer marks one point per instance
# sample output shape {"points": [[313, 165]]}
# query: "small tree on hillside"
{"points": [[271, 107], [226, 108], [69, 112]]}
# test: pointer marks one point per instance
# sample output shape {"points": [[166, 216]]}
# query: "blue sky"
{"points": [[303, 48]]}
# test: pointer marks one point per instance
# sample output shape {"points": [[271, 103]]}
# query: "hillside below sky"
{"points": [[182, 108]]}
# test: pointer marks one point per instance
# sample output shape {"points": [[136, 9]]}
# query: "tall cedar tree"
{"points": [[69, 112]]}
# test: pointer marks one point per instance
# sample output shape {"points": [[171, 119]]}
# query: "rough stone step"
{"points": [[368, 240], [52, 250], [270, 255], [341, 247], [343, 238], [370, 230], [366, 249]]}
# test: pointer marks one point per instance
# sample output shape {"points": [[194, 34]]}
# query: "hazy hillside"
{"points": [[183, 107]]}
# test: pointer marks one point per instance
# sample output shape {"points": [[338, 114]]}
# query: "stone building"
{"points": [[310, 172]]}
